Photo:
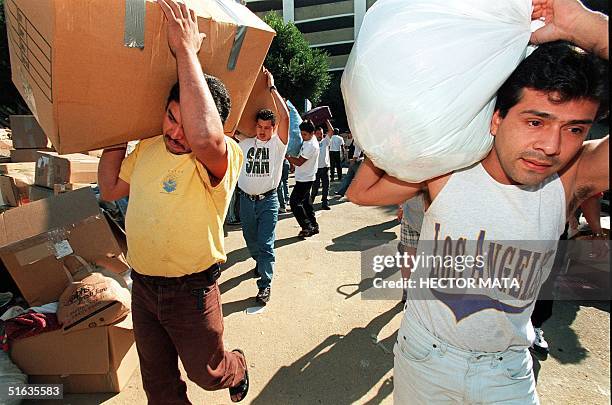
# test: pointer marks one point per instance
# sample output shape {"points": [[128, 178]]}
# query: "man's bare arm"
{"points": [[296, 161], [592, 174], [111, 186], [200, 119], [372, 186], [330, 129], [569, 20], [281, 107]]}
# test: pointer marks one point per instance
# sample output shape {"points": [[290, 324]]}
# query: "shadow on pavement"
{"points": [[562, 340], [242, 254], [364, 238], [340, 370], [239, 306], [350, 290]]}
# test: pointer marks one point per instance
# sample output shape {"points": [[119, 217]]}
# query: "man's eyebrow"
{"points": [[543, 114], [540, 114]]}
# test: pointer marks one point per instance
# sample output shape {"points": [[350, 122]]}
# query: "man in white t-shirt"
{"points": [[336, 146], [306, 165], [323, 167], [258, 181]]}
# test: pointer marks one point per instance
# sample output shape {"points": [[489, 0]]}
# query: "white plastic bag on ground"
{"points": [[420, 82]]}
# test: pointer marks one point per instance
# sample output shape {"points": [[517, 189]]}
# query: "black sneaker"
{"points": [[325, 207], [314, 230], [263, 296], [304, 233]]}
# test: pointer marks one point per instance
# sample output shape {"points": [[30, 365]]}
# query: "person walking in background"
{"points": [[336, 146], [354, 164], [323, 170], [305, 173], [258, 183]]}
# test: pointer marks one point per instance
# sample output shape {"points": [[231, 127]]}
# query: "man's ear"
{"points": [[495, 122]]}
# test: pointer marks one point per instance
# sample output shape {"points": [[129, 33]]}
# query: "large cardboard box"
{"points": [[26, 133], [100, 359], [26, 155], [34, 239], [52, 169], [79, 67], [259, 99]]}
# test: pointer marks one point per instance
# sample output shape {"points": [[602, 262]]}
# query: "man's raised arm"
{"points": [[569, 20], [200, 119]]}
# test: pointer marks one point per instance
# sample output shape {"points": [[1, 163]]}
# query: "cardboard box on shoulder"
{"points": [[100, 359], [35, 237], [58, 54], [27, 155], [52, 169], [27, 134], [259, 99]]}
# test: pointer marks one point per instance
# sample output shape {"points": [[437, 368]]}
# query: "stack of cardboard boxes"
{"points": [[34, 240], [39, 172], [28, 138]]}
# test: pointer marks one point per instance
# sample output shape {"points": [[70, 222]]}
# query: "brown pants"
{"points": [[181, 317]]}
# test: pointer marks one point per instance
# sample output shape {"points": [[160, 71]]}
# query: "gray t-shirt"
{"points": [[515, 230]]}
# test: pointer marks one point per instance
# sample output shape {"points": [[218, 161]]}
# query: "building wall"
{"points": [[330, 25]]}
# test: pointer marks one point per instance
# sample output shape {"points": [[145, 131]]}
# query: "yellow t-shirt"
{"points": [[174, 222]]}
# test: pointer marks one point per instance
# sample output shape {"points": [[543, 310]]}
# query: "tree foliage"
{"points": [[10, 100], [300, 72]]}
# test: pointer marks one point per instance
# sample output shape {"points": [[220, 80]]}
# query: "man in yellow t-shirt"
{"points": [[180, 185]]}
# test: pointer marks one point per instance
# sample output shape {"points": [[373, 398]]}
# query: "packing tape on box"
{"points": [[241, 31], [235, 52], [133, 34]]}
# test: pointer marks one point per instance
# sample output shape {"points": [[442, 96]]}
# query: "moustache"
{"points": [[553, 161]]}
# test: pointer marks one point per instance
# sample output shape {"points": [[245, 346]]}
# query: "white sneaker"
{"points": [[540, 344]]}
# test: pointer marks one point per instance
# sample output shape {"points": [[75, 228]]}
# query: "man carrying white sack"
{"points": [[470, 345], [180, 185]]}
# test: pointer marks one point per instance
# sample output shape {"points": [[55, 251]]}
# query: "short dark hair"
{"points": [[266, 115], [218, 91], [320, 128], [561, 68], [307, 126]]}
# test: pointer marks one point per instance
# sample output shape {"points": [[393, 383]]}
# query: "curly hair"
{"points": [[218, 91], [562, 70]]}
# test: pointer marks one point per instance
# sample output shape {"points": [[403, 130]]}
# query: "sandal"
{"points": [[241, 389]]}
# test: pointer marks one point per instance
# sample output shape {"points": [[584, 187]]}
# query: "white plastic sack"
{"points": [[419, 86]]}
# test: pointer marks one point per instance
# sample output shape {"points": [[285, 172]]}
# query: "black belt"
{"points": [[210, 275], [258, 197]]}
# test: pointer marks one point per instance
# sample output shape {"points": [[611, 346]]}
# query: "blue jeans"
{"points": [[283, 186], [258, 224], [429, 371], [348, 177]]}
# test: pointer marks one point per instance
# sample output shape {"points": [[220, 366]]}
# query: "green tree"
{"points": [[300, 72], [10, 100]]}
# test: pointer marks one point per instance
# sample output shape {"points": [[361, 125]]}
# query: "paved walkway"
{"points": [[318, 342]]}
